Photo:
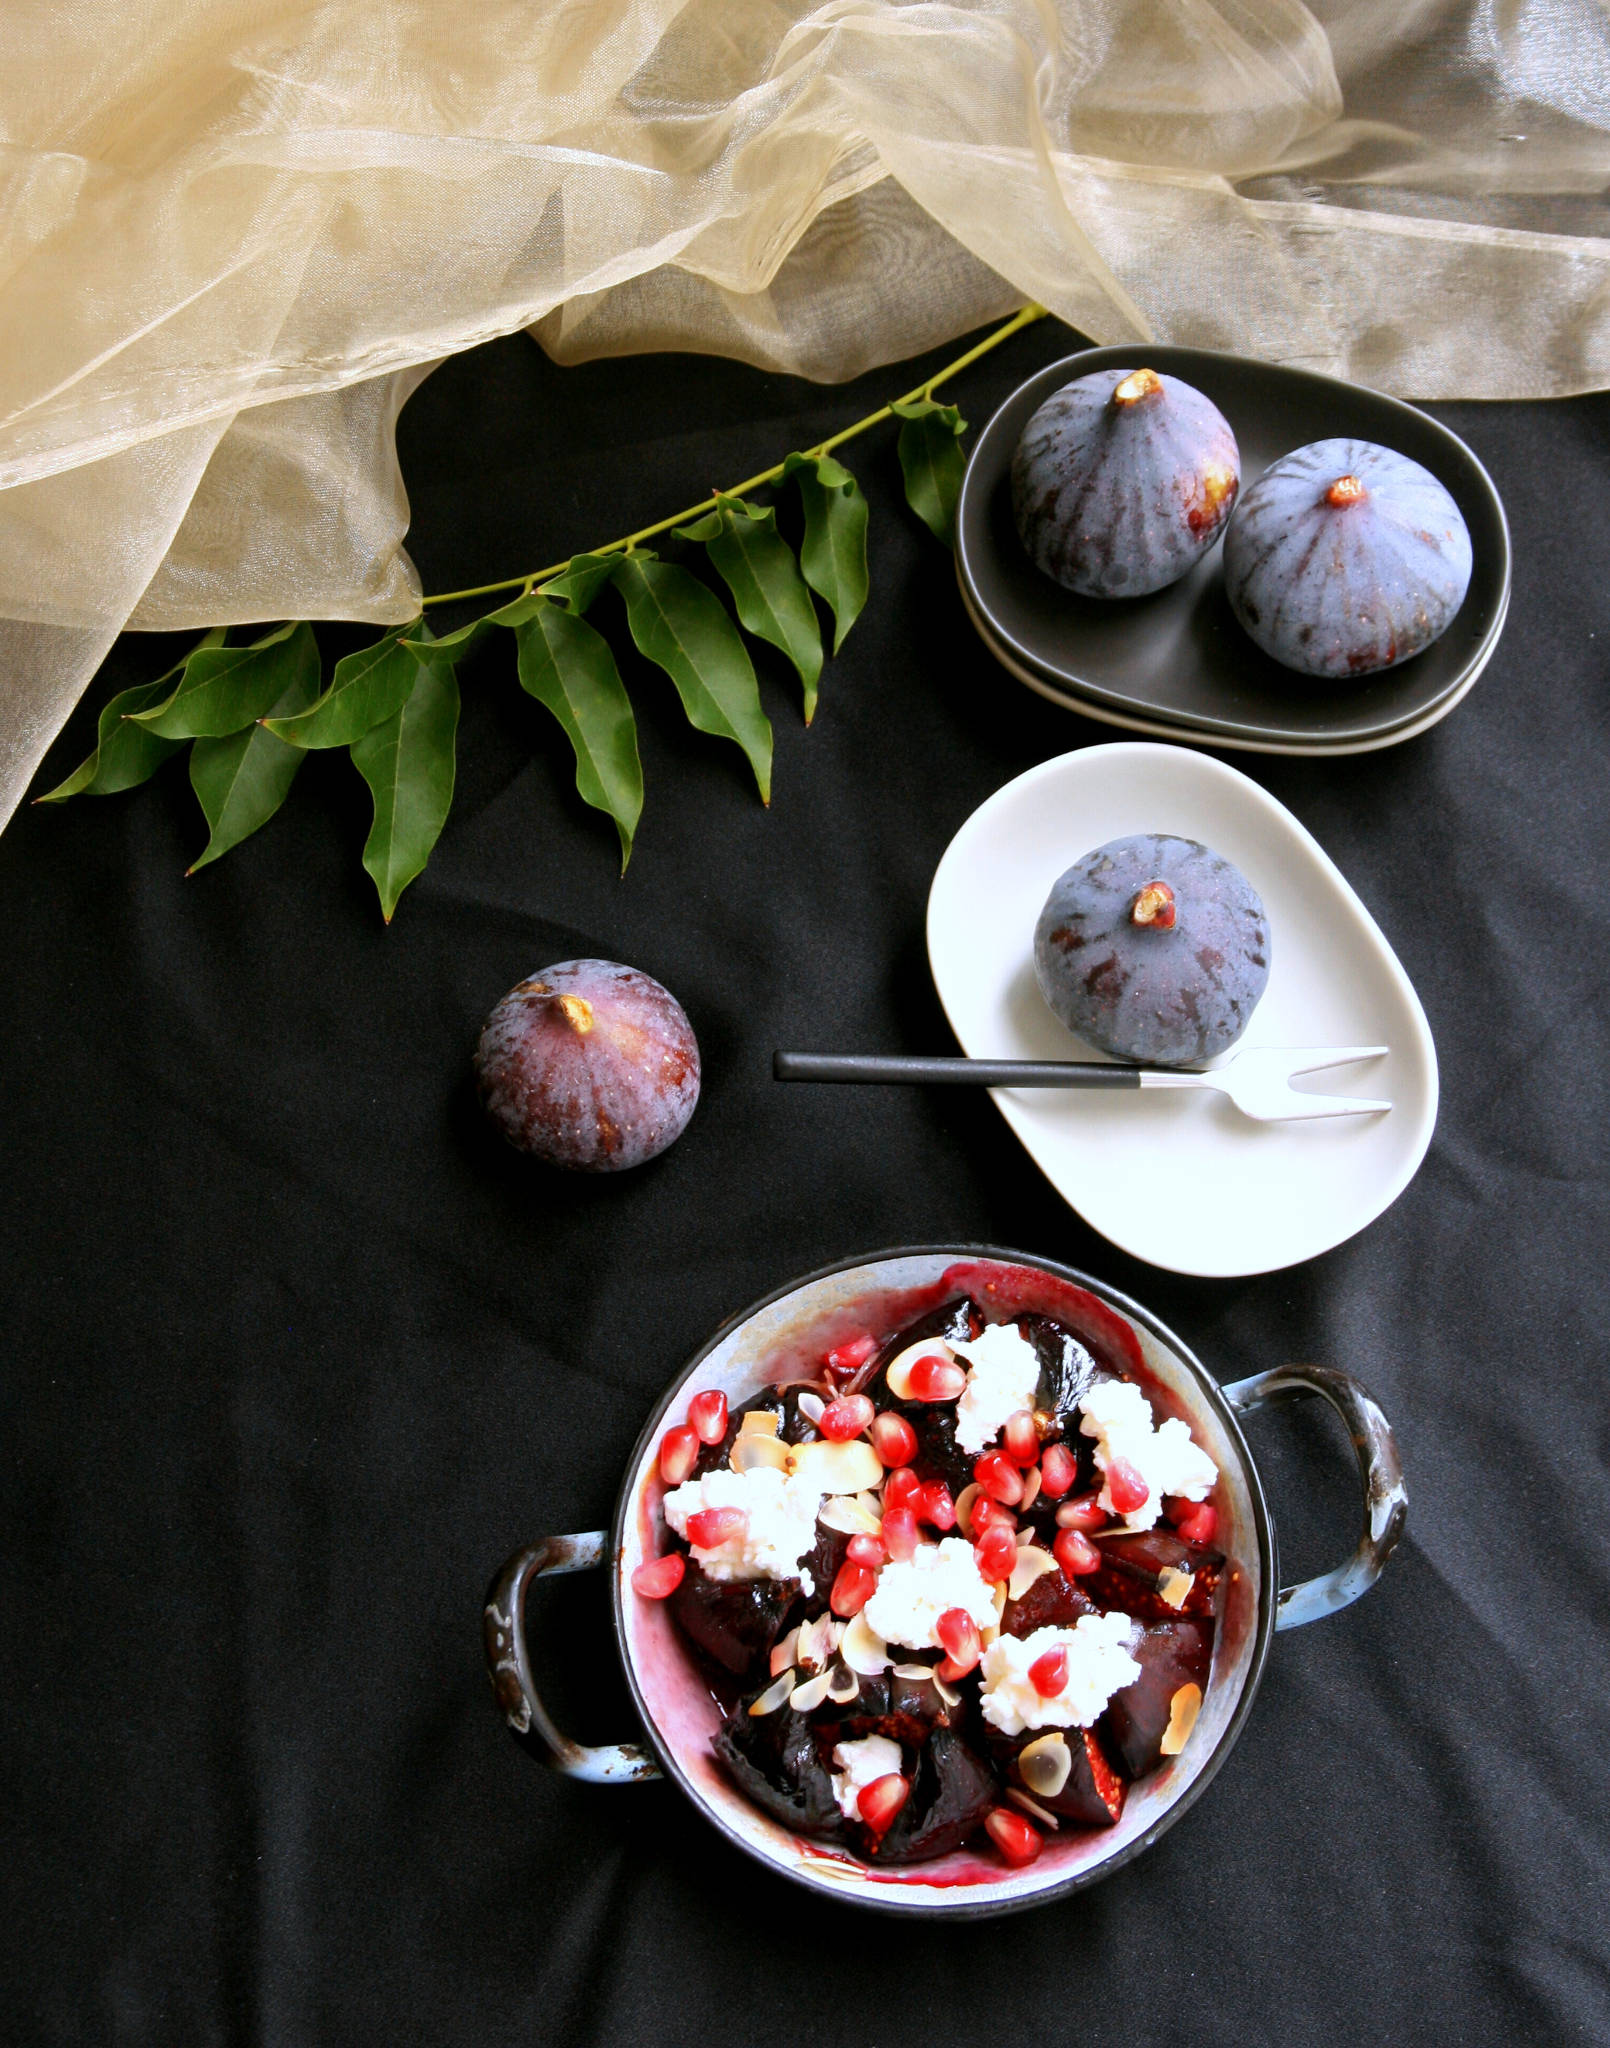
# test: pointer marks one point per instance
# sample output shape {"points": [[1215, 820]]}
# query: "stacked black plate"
{"points": [[1176, 664]]}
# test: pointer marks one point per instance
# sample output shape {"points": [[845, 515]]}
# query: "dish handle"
{"points": [[1386, 1499], [509, 1664]]}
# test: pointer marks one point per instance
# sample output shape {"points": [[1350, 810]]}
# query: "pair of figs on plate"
{"points": [[1342, 559]]}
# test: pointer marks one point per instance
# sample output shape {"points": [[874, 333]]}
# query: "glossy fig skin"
{"points": [[1115, 496], [1160, 996], [1345, 583], [589, 1065]]}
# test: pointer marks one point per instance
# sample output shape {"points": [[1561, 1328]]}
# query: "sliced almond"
{"points": [[898, 1376], [752, 1450], [837, 1468], [812, 1407], [1019, 1797], [873, 1503], [774, 1695], [1031, 1489], [806, 1698], [862, 1650], [1000, 1596], [916, 1671], [844, 1512], [1032, 1563], [947, 1692], [782, 1654], [964, 1508], [817, 1641], [758, 1422], [842, 1685], [1183, 1709], [1044, 1764], [1174, 1586]]}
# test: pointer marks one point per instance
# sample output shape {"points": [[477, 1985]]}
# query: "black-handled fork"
{"points": [[1257, 1081]]}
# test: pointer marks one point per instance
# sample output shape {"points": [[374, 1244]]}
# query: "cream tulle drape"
{"points": [[234, 235]]}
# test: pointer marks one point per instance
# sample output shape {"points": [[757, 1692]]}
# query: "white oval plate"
{"points": [[1181, 1180]]}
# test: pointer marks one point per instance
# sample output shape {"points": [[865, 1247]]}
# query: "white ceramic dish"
{"points": [[1182, 1182], [1190, 736]]}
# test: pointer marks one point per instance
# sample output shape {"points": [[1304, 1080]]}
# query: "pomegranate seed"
{"points": [[1021, 1438], [900, 1533], [901, 1488], [1085, 1513], [711, 1527], [679, 1448], [936, 1506], [1058, 1471], [1018, 1842], [935, 1379], [865, 1550], [842, 1420], [989, 1514], [851, 1355], [996, 1552], [894, 1439], [1125, 1487], [1049, 1674], [1076, 1554], [852, 1589], [660, 1579], [708, 1415], [1201, 1524], [959, 1639], [879, 1802], [999, 1478]]}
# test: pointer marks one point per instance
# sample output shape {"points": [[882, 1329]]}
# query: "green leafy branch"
{"points": [[251, 714]]}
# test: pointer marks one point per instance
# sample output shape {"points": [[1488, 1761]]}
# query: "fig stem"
{"points": [[1154, 907], [1347, 490], [1137, 385], [1024, 317]]}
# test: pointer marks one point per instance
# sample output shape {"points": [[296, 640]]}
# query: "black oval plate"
{"points": [[1178, 655]]}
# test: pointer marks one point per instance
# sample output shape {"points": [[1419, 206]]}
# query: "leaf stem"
{"points": [[1025, 317]]}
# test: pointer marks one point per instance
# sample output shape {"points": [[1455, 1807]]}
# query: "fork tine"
{"points": [[1316, 1058], [1298, 1107]]}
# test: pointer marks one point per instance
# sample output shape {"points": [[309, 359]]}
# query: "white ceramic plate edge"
{"points": [[1347, 897], [1197, 736]]}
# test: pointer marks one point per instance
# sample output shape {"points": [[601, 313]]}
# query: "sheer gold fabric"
{"points": [[234, 235]]}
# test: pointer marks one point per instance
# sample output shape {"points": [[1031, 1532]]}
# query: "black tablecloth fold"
{"points": [[295, 1354]]}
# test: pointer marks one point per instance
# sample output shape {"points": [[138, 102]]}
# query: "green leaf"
{"points": [[566, 665], [126, 754], [368, 687], [242, 778], [932, 462], [833, 555], [582, 580], [758, 567], [226, 688], [680, 626], [408, 763]]}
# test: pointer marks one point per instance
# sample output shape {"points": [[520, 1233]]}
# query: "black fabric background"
{"points": [[295, 1354]]}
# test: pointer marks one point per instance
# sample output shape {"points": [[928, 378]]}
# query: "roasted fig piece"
{"points": [[733, 1621], [907, 1710], [1153, 948], [1345, 558], [1067, 1372], [1053, 1601], [773, 1758], [1066, 1771], [1122, 480], [951, 1791], [1170, 1654], [1136, 1576]]}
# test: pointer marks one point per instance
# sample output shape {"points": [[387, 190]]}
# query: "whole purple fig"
{"points": [[589, 1065], [1122, 481], [1345, 558]]}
